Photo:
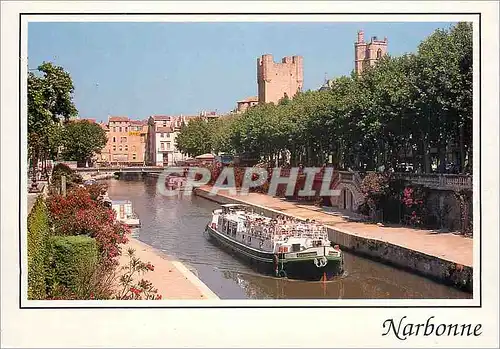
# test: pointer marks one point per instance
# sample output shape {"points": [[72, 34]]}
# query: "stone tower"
{"points": [[367, 53], [277, 80]]}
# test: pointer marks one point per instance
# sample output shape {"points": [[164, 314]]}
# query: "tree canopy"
{"points": [[82, 139], [50, 104], [195, 139], [414, 108]]}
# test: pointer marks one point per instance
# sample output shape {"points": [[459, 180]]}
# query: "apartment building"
{"points": [[162, 134], [126, 141]]}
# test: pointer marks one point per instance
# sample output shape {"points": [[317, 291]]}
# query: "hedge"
{"points": [[73, 259], [38, 237]]}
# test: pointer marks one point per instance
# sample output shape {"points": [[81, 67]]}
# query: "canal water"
{"points": [[175, 226]]}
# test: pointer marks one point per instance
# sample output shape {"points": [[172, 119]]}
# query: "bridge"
{"points": [[130, 169]]}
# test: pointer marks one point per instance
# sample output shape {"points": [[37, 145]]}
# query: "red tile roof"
{"points": [[138, 122], [162, 117], [89, 120], [249, 99], [118, 118], [164, 129]]}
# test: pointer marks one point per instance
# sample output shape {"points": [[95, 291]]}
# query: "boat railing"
{"points": [[280, 233]]}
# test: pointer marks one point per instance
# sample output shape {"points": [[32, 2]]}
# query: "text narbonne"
{"points": [[404, 329]]}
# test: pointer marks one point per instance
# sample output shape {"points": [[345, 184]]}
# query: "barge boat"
{"points": [[284, 247]]}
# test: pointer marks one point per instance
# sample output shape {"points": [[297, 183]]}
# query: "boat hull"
{"points": [[307, 268]]}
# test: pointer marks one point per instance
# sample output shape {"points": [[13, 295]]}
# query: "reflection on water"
{"points": [[175, 226]]}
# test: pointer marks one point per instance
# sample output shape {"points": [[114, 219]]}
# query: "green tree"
{"points": [[445, 74], [195, 138], [50, 102], [396, 111], [221, 130], [81, 140]]}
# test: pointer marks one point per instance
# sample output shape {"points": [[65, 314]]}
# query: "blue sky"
{"points": [[140, 69]]}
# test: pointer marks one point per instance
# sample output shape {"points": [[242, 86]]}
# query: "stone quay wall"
{"points": [[427, 265]]}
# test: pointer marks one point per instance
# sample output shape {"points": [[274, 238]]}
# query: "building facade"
{"points": [[126, 141], [243, 105], [161, 140], [368, 53], [278, 80]]}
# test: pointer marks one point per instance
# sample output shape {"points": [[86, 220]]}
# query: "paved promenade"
{"points": [[453, 248], [172, 279]]}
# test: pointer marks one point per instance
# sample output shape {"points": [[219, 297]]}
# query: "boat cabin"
{"points": [[280, 235]]}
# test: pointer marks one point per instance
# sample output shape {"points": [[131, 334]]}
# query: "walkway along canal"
{"points": [[444, 257], [175, 225]]}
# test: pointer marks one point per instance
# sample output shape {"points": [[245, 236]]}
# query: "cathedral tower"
{"points": [[367, 53]]}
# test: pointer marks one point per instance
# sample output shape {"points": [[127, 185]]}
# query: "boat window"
{"points": [[295, 247]]}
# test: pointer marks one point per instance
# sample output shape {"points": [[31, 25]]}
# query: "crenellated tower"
{"points": [[277, 80]]}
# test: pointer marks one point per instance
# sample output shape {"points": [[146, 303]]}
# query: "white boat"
{"points": [[283, 246], [125, 213]]}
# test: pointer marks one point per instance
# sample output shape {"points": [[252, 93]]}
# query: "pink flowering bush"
{"points": [[132, 290], [413, 200], [79, 214]]}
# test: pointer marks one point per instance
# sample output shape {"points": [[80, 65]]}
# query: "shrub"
{"points": [[72, 177], [130, 288], [96, 190], [464, 198], [78, 214], [414, 200], [73, 260], [38, 236], [383, 193], [375, 187]]}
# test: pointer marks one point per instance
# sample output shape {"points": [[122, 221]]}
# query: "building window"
{"points": [[123, 139], [162, 145], [126, 129], [164, 124], [168, 135], [133, 148], [120, 129], [161, 135], [379, 53], [126, 147], [168, 145], [114, 139], [133, 156], [114, 147]]}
